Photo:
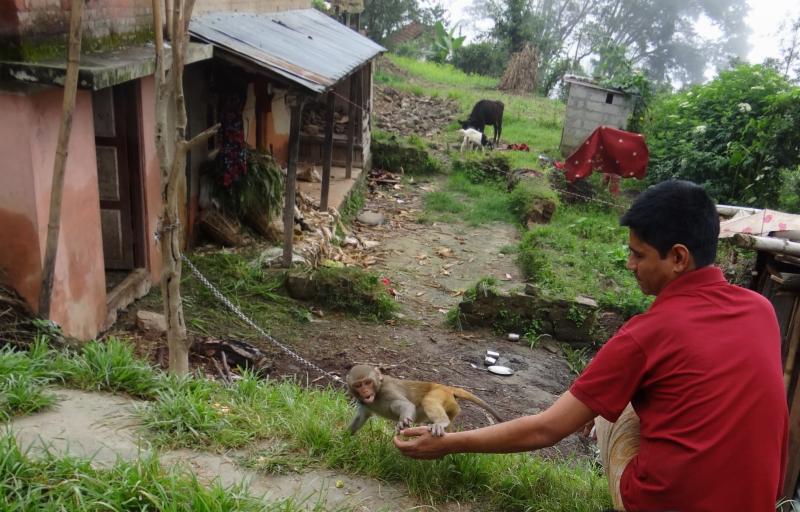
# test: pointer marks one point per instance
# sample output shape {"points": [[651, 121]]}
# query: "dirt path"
{"points": [[430, 266]]}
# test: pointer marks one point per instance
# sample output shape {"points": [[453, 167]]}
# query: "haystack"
{"points": [[521, 72]]}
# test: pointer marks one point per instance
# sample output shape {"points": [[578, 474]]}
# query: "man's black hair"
{"points": [[676, 212]]}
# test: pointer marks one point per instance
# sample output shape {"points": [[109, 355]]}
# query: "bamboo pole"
{"points": [[60, 165], [729, 211], [766, 243]]}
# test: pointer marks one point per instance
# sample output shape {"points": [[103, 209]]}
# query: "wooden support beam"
{"points": [[295, 103], [793, 463], [351, 123], [327, 152]]}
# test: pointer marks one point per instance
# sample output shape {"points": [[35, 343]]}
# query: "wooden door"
{"points": [[111, 125]]}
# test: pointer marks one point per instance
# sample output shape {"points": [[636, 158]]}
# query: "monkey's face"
{"points": [[364, 390]]}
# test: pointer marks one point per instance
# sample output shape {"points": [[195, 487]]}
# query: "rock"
{"points": [[586, 301], [371, 218], [310, 174], [564, 320], [150, 321], [273, 257]]}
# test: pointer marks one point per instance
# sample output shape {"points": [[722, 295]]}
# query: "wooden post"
{"points": [[296, 107], [60, 164], [327, 152], [172, 148], [793, 462], [351, 124]]}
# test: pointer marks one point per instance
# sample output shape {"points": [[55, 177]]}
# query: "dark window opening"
{"points": [[610, 98]]}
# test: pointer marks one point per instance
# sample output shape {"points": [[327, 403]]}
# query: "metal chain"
{"points": [[245, 319]]}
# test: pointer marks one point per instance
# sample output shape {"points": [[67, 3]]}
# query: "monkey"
{"points": [[405, 401]]}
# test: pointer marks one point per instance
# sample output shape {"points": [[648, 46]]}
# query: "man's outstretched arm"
{"points": [[565, 416]]}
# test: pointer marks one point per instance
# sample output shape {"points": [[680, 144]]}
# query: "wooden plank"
{"points": [[327, 153], [351, 124], [793, 462], [296, 109]]}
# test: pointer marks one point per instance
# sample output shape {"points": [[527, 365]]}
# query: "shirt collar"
{"points": [[690, 281]]}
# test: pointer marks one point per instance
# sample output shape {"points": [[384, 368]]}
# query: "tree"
{"points": [[790, 50], [382, 17], [172, 149], [657, 35]]}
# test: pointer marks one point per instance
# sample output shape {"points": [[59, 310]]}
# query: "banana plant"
{"points": [[445, 43]]}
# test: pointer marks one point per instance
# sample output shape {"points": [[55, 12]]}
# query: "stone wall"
{"points": [[588, 107]]}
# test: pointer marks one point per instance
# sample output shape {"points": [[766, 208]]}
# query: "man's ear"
{"points": [[682, 260]]}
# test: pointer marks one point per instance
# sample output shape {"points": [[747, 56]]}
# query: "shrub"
{"points": [[736, 135], [487, 59], [407, 154], [484, 168]]}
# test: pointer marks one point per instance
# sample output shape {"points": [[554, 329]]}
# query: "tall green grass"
{"points": [[461, 200], [53, 483], [309, 429], [527, 118], [583, 251], [445, 74]]}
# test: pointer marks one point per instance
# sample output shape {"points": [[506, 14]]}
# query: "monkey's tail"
{"points": [[466, 395]]}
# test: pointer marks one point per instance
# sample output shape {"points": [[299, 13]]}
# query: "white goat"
{"points": [[472, 139]]}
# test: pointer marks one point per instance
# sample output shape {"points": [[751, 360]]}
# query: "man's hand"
{"points": [[422, 444]]}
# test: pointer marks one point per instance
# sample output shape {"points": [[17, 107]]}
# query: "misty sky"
{"points": [[764, 14]]}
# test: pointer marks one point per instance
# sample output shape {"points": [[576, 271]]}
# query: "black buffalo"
{"points": [[486, 112]]}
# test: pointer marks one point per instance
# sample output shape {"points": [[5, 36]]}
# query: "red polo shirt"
{"points": [[702, 368]]}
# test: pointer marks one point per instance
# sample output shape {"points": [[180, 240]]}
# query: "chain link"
{"points": [[245, 319]]}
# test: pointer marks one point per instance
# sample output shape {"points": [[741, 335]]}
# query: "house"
{"points": [[775, 237], [589, 106], [108, 255]]}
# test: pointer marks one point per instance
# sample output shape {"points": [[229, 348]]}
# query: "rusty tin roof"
{"points": [[305, 46]]}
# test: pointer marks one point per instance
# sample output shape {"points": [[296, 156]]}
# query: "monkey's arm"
{"points": [[564, 417], [362, 416], [404, 410]]}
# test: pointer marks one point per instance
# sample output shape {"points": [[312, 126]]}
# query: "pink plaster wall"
{"points": [[29, 139], [151, 175]]}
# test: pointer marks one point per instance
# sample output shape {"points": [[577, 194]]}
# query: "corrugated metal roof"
{"points": [[304, 46]]}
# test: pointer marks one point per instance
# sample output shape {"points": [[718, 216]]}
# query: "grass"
{"points": [[255, 290], [309, 426], [67, 483], [305, 428], [531, 119], [473, 203], [583, 251]]}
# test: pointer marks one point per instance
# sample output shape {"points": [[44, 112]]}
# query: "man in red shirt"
{"points": [[701, 370]]}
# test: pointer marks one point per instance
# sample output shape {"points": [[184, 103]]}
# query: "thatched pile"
{"points": [[522, 70], [16, 318]]}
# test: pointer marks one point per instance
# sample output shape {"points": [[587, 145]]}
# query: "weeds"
{"points": [[577, 358]]}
